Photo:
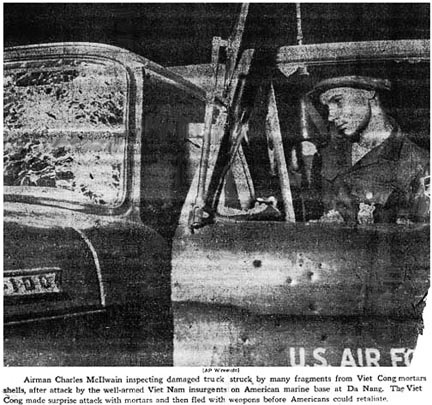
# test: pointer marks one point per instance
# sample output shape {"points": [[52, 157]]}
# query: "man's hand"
{"points": [[332, 216]]}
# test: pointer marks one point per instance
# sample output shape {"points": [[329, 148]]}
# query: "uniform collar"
{"points": [[336, 157], [389, 149]]}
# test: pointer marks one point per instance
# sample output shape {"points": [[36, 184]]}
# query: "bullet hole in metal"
{"points": [[310, 275], [257, 263], [323, 338], [289, 280], [312, 307]]}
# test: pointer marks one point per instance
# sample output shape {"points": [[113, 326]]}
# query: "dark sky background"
{"points": [[181, 33]]}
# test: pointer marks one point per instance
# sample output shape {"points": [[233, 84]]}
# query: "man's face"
{"points": [[348, 109]]}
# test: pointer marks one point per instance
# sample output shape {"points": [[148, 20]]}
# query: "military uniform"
{"points": [[389, 179]]}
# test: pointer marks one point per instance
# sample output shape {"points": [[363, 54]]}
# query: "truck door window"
{"points": [[252, 185]]}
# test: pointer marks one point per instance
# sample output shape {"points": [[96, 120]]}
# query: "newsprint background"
{"points": [[180, 35]]}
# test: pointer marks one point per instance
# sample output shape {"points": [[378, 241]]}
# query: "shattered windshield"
{"points": [[65, 129]]}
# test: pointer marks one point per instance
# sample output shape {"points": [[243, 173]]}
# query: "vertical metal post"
{"points": [[233, 48], [208, 121], [299, 25], [274, 133]]}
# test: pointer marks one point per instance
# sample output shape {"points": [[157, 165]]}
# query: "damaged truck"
{"points": [[149, 221]]}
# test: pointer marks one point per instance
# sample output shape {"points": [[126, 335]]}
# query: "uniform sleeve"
{"points": [[413, 177], [419, 198]]}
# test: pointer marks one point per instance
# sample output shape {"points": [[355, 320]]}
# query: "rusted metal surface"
{"points": [[301, 269], [215, 335], [299, 295]]}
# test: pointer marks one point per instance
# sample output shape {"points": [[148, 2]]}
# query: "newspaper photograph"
{"points": [[216, 203]]}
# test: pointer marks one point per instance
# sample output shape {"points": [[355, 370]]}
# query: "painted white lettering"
{"points": [[348, 359], [317, 355], [372, 357], [302, 356], [397, 356]]}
